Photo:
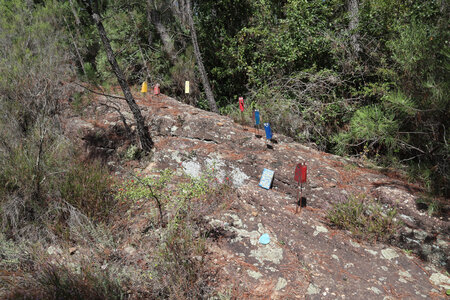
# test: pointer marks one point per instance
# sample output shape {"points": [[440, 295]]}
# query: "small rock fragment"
{"points": [[375, 290], [281, 284], [356, 245], [254, 274], [440, 280], [53, 250], [320, 229], [389, 253], [371, 252], [312, 290], [129, 250], [404, 274]]}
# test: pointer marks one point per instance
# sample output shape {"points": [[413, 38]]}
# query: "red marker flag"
{"points": [[300, 173], [156, 89], [241, 104]]}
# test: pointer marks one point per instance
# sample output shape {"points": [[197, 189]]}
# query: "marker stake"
{"points": [[241, 107], [300, 177], [144, 88], [257, 120], [156, 90]]}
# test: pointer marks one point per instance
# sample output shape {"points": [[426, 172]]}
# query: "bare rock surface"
{"points": [[306, 258]]}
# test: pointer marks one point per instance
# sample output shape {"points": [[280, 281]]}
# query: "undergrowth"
{"points": [[179, 246], [165, 262], [365, 218], [87, 186], [55, 281]]}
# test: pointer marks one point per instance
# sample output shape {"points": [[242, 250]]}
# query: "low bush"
{"points": [[54, 282], [365, 218], [433, 205], [87, 186], [178, 270]]}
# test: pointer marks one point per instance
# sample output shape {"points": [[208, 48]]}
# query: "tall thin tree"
{"points": [[353, 10], [198, 56], [142, 130], [154, 16]]}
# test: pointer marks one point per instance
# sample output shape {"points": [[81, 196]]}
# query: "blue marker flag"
{"points": [[268, 131], [256, 117]]}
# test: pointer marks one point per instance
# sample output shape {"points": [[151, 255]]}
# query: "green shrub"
{"points": [[132, 153], [179, 245], [370, 125], [29, 170], [365, 218], [432, 205], [79, 102]]}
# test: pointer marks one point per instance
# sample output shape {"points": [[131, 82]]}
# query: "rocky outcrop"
{"points": [[306, 257]]}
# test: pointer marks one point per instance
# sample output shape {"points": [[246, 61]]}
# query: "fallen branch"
{"points": [[98, 93]]}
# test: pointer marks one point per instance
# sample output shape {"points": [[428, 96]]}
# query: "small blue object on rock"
{"points": [[264, 239]]}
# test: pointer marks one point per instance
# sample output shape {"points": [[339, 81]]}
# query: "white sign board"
{"points": [[266, 179]]}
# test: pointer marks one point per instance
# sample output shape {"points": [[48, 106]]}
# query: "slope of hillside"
{"points": [[306, 256]]}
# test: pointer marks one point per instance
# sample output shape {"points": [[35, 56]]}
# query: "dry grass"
{"points": [[137, 259], [365, 218]]}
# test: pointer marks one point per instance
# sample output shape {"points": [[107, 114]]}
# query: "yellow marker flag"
{"points": [[144, 87], [186, 87]]}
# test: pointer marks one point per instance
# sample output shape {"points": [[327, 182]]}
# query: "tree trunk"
{"points": [[198, 55], [144, 136], [77, 51], [166, 39], [179, 8], [353, 9], [150, 21], [443, 20], [77, 22]]}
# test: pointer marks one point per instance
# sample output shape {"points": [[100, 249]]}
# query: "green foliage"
{"points": [[400, 104], [370, 125], [27, 177], [91, 74], [365, 218], [432, 205], [137, 189], [79, 102], [180, 247], [408, 49], [132, 153], [146, 188], [120, 28]]}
